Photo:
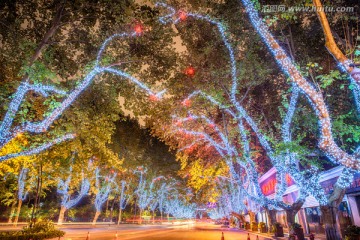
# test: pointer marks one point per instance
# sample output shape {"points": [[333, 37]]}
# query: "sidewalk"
{"points": [[286, 235]]}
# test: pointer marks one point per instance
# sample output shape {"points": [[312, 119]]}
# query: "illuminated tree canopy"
{"points": [[218, 93]]}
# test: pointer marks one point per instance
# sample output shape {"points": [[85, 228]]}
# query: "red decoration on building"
{"points": [[190, 71], [182, 15], [289, 180], [268, 186]]}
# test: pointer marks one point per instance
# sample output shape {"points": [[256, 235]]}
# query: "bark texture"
{"points": [[97, 214], [18, 210], [61, 215]]}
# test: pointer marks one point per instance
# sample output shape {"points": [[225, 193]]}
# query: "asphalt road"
{"points": [[182, 232]]}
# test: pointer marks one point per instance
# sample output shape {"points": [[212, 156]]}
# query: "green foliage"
{"points": [[40, 72], [295, 226], [327, 79], [352, 232], [261, 224], [345, 129], [39, 231]]}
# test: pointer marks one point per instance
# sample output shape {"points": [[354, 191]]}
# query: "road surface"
{"points": [[180, 232]]}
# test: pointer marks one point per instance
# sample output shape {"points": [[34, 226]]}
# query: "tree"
{"points": [[123, 200], [103, 187], [326, 142], [22, 193], [64, 189]]}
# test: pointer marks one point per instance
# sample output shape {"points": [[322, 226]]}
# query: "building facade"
{"points": [[310, 215]]}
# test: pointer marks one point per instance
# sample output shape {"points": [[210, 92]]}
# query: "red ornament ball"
{"points": [[190, 71], [186, 103], [153, 97], [182, 15], [138, 29]]}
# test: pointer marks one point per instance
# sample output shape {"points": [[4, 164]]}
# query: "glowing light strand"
{"points": [[39, 149], [22, 194], [354, 84], [326, 143], [38, 127], [124, 198], [104, 186], [242, 113], [64, 190]]}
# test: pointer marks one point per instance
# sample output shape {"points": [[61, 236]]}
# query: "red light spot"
{"points": [[190, 71], [153, 97], [186, 103], [138, 29], [182, 15], [288, 179], [211, 125]]}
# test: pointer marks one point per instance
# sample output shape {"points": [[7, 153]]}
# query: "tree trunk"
{"points": [[332, 230], [12, 212], [55, 24], [329, 39], [140, 216], [240, 217], [290, 217], [61, 215], [106, 208], [252, 216], [119, 219], [18, 212], [153, 218], [97, 214], [330, 212], [112, 210], [271, 217], [37, 197]]}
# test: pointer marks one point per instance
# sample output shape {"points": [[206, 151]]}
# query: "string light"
{"points": [[39, 149], [64, 190], [354, 84], [103, 188], [326, 143], [7, 133], [227, 151], [22, 194], [124, 198]]}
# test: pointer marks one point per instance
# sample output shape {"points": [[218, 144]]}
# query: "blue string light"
{"points": [[326, 143], [39, 149], [22, 194], [8, 133], [222, 144], [64, 189], [104, 186]]}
